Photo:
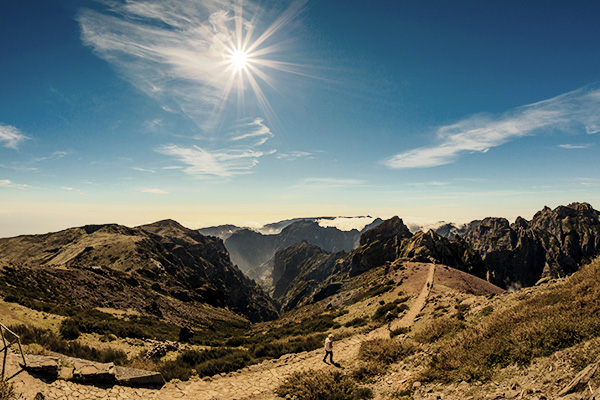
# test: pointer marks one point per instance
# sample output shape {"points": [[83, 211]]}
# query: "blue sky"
{"points": [[131, 112]]}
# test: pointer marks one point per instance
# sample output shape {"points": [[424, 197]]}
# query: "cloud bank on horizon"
{"points": [[574, 112]]}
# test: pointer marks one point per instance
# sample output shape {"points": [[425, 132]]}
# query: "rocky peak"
{"points": [[392, 228], [520, 223]]}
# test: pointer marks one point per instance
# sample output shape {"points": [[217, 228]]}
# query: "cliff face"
{"points": [[303, 270], [163, 257], [554, 243], [379, 245]]}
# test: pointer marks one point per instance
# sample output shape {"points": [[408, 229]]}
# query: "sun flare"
{"points": [[239, 60]]}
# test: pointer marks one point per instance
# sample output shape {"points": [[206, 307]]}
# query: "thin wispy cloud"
{"points": [[57, 155], [154, 191], [237, 159], [575, 146], [256, 131], [575, 112], [296, 155], [151, 171], [215, 163], [11, 137], [10, 184], [332, 183]]}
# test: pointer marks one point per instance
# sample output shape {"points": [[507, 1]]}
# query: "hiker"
{"points": [[328, 349], [389, 318]]}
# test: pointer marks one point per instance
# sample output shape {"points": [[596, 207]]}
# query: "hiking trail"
{"points": [[256, 382]]}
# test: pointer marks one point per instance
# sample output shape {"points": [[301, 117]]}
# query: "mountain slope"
{"points": [[162, 261]]}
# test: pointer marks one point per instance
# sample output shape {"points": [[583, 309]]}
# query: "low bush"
{"points": [[395, 307], [52, 342], [133, 326], [400, 331], [385, 351], [294, 345], [205, 362], [320, 385], [359, 321], [438, 329], [372, 292], [368, 370]]}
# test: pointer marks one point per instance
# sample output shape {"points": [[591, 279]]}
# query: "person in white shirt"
{"points": [[328, 349]]}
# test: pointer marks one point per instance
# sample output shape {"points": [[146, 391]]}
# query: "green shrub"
{"points": [[133, 326], [52, 342], [487, 310], [395, 307], [69, 329], [322, 385], [175, 370], [372, 292], [359, 321], [400, 331], [385, 351], [294, 345], [205, 362]]}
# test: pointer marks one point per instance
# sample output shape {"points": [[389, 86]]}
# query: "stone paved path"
{"points": [[254, 382]]}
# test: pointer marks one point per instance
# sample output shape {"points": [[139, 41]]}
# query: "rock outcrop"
{"points": [[554, 243]]}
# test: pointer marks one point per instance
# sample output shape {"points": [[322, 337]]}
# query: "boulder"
{"points": [[43, 366], [138, 377], [93, 372]]}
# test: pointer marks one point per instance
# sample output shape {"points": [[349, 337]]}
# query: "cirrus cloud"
{"points": [[10, 136], [574, 112]]}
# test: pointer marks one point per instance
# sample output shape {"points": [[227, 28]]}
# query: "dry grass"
{"points": [[385, 351], [537, 325], [438, 329], [321, 385], [7, 391]]}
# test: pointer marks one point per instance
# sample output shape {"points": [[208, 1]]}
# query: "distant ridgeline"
{"points": [[181, 276], [253, 251], [554, 243]]}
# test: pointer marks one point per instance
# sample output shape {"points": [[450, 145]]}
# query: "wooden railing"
{"points": [[8, 339]]}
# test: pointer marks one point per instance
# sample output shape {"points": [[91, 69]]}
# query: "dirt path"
{"points": [[415, 308], [253, 382]]}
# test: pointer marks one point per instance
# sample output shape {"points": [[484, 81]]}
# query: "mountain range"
{"points": [[553, 244], [178, 274], [252, 251]]}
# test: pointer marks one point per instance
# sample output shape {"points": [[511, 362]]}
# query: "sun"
{"points": [[239, 60]]}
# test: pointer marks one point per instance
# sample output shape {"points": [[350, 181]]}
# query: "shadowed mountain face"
{"points": [[554, 243], [304, 273], [162, 261], [253, 252]]}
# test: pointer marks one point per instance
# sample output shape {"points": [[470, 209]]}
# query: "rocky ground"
{"points": [[432, 287]]}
